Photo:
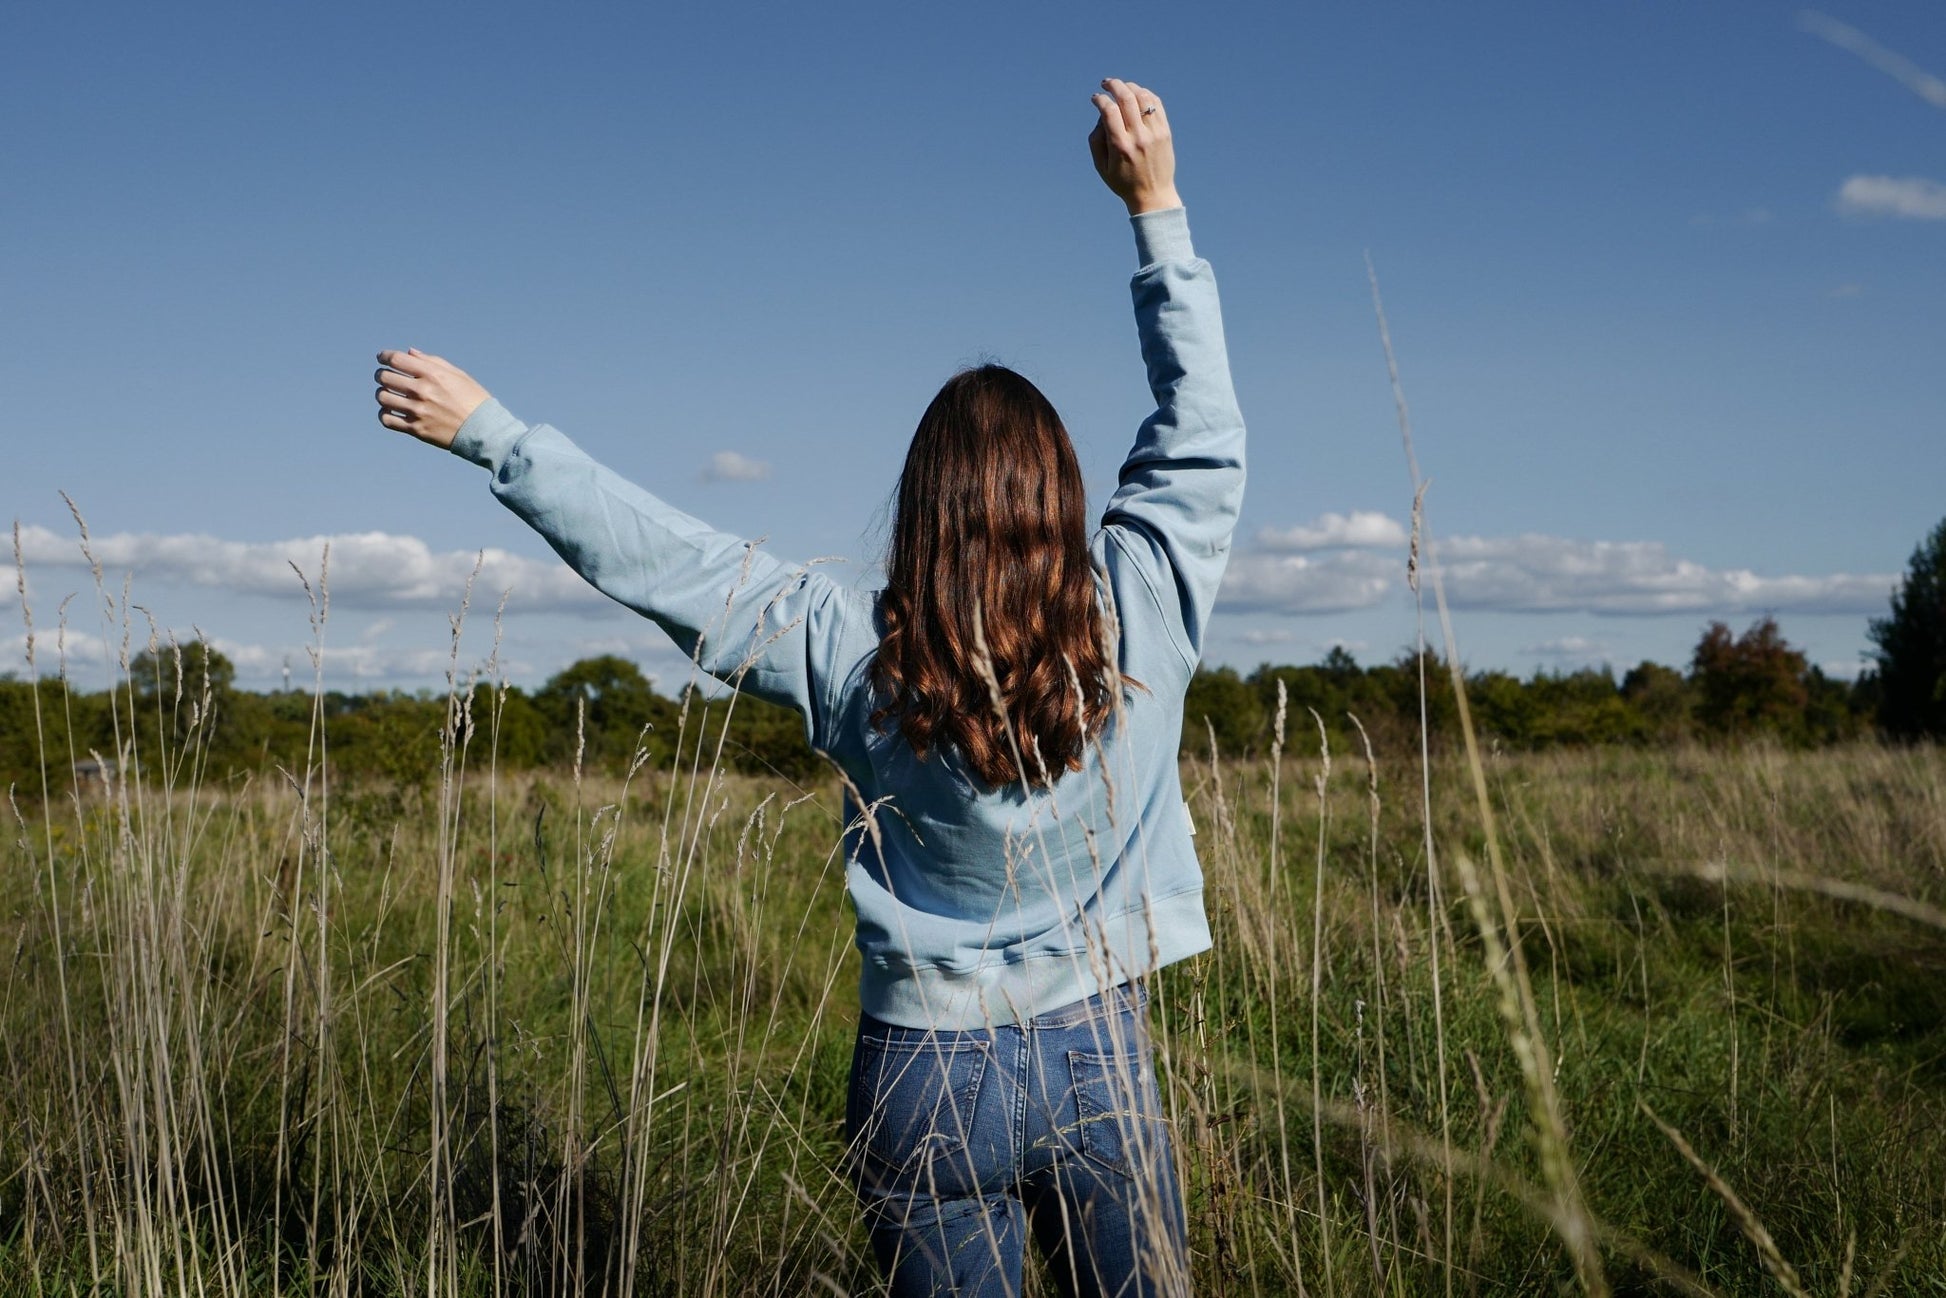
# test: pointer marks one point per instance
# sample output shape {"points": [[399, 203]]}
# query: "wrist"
{"points": [[1152, 200], [1162, 235], [487, 435]]}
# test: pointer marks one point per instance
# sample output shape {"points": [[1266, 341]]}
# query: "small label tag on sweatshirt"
{"points": [[1191, 819]]}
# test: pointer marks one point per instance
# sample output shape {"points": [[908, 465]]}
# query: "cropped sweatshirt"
{"points": [[975, 905]]}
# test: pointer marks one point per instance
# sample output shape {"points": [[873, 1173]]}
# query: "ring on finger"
{"points": [[1150, 109]]}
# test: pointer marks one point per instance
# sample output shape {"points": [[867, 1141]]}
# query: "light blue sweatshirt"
{"points": [[975, 906]]}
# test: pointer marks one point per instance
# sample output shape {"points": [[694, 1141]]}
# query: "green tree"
{"points": [[618, 703], [512, 724], [185, 694], [1584, 706], [179, 674], [753, 736], [1834, 710], [1911, 644], [1389, 702], [1660, 699], [1331, 688], [30, 750], [1222, 702], [1750, 683], [1503, 708], [400, 741]]}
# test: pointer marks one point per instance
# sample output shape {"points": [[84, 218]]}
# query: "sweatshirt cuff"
{"points": [[487, 435], [1162, 236]]}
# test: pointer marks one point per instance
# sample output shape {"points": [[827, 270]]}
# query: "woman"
{"points": [[1005, 714]]}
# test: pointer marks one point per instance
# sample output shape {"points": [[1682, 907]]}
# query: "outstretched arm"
{"points": [[1182, 483], [747, 618]]}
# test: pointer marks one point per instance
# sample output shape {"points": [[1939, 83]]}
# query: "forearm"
{"points": [[1191, 448], [736, 610], [1182, 483]]}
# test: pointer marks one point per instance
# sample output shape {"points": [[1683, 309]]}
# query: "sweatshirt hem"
{"points": [[1123, 948]]}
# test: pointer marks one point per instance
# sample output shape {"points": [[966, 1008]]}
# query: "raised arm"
{"points": [[747, 618], [1182, 483]]}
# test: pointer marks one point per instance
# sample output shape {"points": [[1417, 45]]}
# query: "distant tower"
{"points": [[287, 673]]}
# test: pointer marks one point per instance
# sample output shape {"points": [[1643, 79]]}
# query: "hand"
{"points": [[425, 396], [1132, 148]]}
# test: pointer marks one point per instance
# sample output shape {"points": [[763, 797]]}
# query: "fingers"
{"points": [[1111, 128], [1125, 99], [416, 363], [1149, 108], [403, 388], [407, 362], [407, 380], [1098, 146], [1131, 115], [395, 410], [424, 395], [399, 381]]}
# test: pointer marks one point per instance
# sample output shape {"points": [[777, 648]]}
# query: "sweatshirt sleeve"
{"points": [[746, 618], [1182, 484]]}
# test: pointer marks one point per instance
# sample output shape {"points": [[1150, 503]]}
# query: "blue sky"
{"points": [[1664, 281]]}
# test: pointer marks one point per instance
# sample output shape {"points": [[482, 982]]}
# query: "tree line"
{"points": [[182, 710], [1737, 688], [180, 707]]}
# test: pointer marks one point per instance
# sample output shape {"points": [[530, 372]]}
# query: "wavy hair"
{"points": [[990, 603]]}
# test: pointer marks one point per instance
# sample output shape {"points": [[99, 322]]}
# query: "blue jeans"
{"points": [[962, 1142]]}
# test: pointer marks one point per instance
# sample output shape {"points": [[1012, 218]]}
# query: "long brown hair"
{"points": [[989, 574]]}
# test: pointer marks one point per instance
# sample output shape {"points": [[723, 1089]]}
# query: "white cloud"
{"points": [[1336, 563], [1850, 288], [1901, 69], [1297, 583], [362, 663], [1258, 635], [732, 466], [1360, 529], [52, 650], [1534, 573], [367, 569], [260, 664], [1911, 197], [1528, 573]]}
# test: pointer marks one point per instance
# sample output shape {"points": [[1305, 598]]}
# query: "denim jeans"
{"points": [[963, 1142]]}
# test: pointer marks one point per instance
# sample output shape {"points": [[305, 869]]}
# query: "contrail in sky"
{"points": [[1913, 77]]}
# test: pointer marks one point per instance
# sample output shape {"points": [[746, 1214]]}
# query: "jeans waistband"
{"points": [[1102, 1005]]}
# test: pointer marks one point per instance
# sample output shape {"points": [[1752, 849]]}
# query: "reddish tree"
{"points": [[1749, 683]]}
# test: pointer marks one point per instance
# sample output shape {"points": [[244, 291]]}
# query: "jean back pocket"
{"points": [[1119, 1112], [909, 1113]]}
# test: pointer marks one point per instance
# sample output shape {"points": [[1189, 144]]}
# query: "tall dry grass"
{"points": [[589, 1032]]}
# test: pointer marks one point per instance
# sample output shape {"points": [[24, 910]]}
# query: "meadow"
{"points": [[1638, 1020]]}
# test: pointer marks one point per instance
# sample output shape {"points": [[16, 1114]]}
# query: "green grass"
{"points": [[242, 1053]]}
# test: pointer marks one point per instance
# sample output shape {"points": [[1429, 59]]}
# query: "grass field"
{"points": [[560, 1034]]}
